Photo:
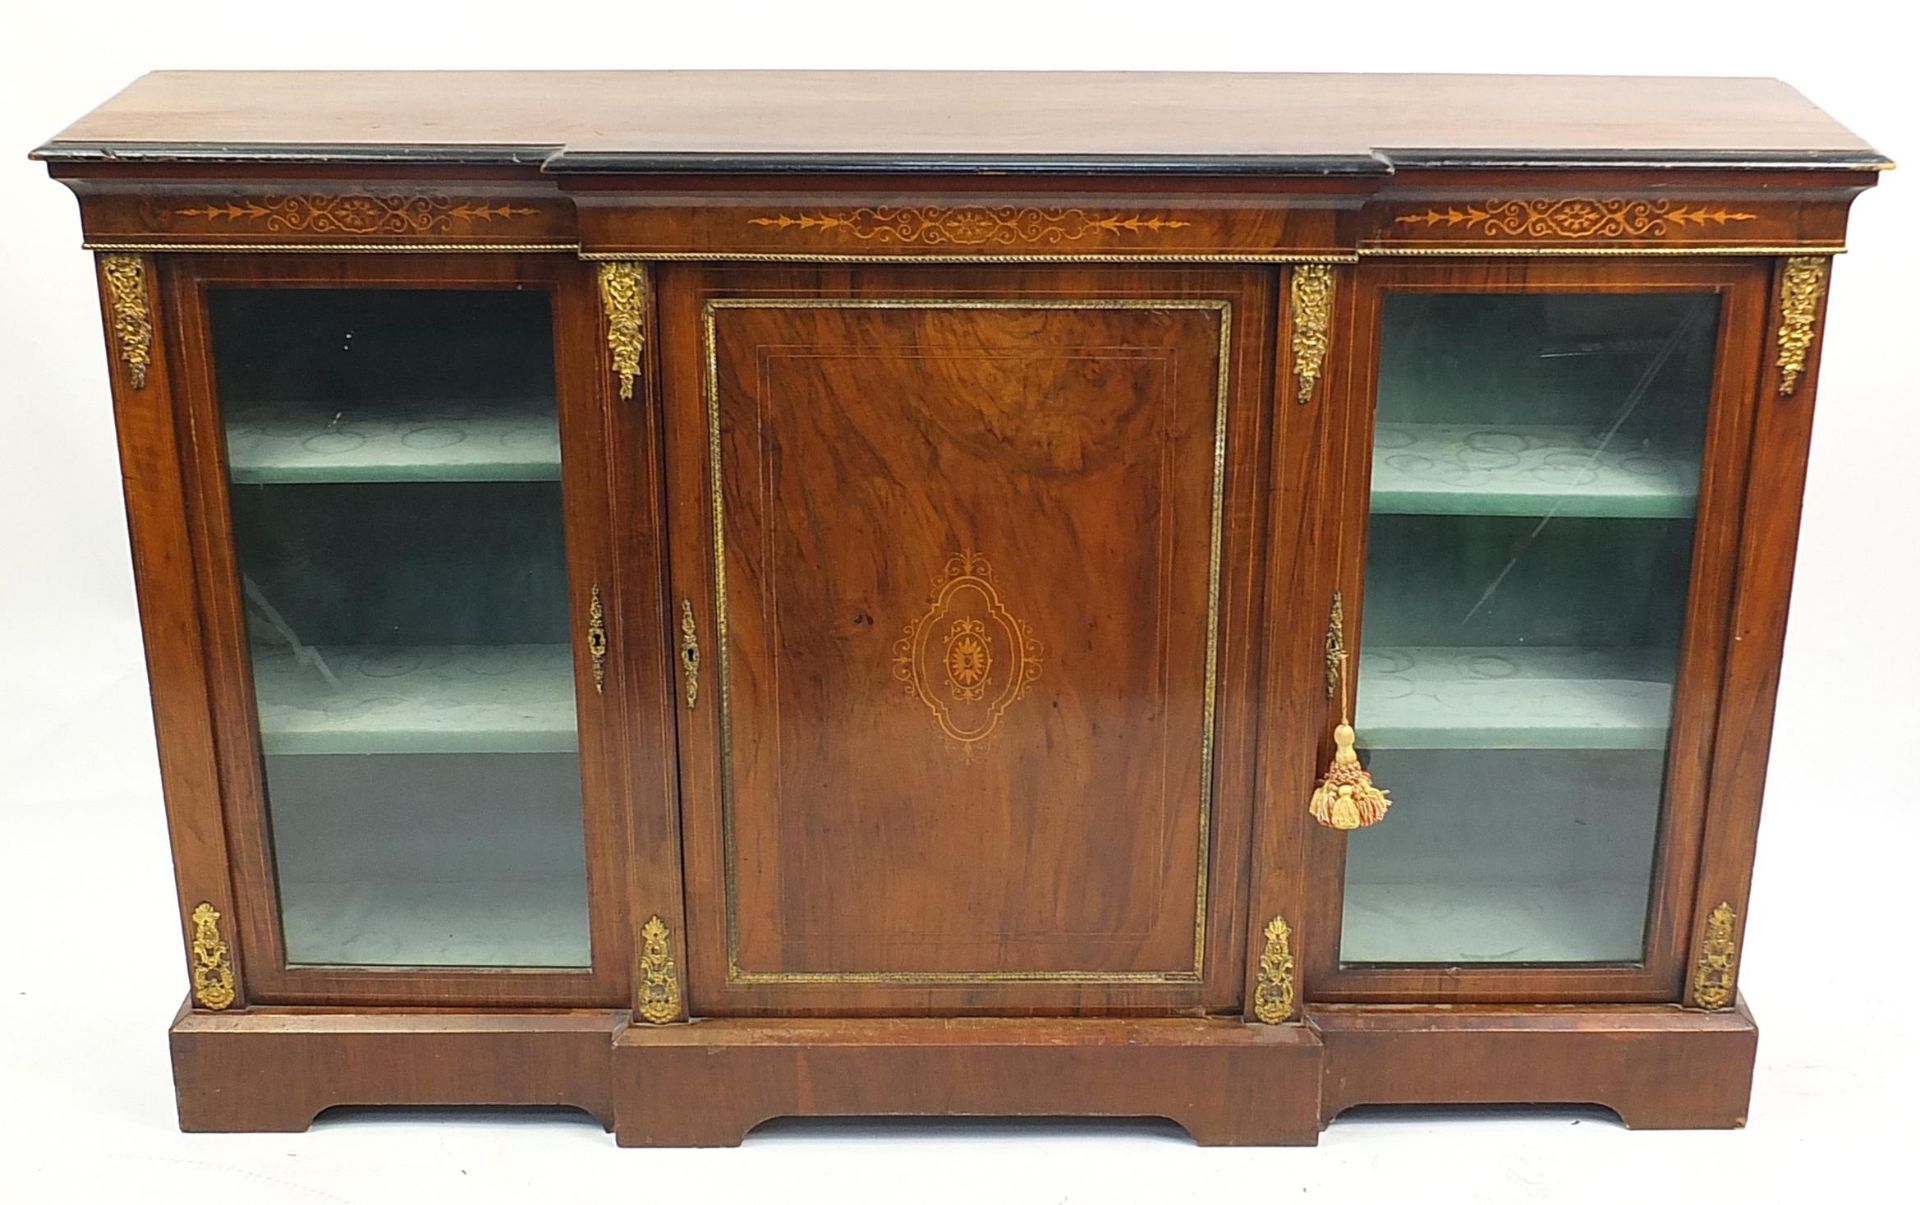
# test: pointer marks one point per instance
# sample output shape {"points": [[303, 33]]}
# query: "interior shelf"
{"points": [[515, 698], [287, 445], [399, 922], [1460, 469], [1513, 698], [1566, 921]]}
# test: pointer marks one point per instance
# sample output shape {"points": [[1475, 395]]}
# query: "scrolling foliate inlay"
{"points": [[978, 226], [1575, 218], [1713, 977], [126, 277], [1800, 288], [212, 965], [966, 658], [1273, 990], [354, 214]]}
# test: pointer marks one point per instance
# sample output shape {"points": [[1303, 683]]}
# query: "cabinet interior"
{"points": [[395, 487], [1536, 470]]}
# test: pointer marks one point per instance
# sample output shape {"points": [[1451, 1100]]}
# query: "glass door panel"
{"points": [[1536, 466], [394, 463]]}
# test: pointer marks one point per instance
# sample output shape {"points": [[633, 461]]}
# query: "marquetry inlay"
{"points": [[354, 214], [981, 226], [1574, 218], [967, 658]]}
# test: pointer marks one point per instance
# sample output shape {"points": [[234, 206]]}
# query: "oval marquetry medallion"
{"points": [[967, 658]]}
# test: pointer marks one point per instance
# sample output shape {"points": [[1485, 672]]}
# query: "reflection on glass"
{"points": [[395, 463], [1535, 474]]}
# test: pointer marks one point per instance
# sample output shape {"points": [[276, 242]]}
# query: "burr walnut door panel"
{"points": [[967, 559]]}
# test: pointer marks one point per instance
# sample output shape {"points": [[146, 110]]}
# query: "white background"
{"points": [[90, 962]]}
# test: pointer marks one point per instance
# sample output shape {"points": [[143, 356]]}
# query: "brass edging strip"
{"points": [[1098, 257], [781, 257], [341, 248], [1560, 252], [735, 975]]}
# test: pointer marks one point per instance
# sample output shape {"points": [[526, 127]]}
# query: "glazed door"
{"points": [[962, 563], [1545, 462], [402, 569]]}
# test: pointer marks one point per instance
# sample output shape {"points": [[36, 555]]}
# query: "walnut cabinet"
{"points": [[708, 597]]}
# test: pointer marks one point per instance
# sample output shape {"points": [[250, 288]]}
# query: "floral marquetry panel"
{"points": [[400, 214], [1459, 222], [964, 228], [999, 644]]}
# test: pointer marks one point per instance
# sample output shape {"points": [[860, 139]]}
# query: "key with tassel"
{"points": [[1346, 798]]}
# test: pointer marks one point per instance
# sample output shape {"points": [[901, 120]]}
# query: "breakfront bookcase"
{"points": [[712, 596]]}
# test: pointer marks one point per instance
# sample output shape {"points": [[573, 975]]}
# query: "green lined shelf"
{"points": [[1563, 921], [288, 445], [515, 698], [1513, 698], [421, 922], [1467, 469]]}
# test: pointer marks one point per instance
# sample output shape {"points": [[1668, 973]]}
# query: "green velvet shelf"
{"points": [[1464, 469], [1513, 698], [287, 446], [515, 698]]}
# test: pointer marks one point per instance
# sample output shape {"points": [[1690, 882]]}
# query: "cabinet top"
{"points": [[810, 121]]}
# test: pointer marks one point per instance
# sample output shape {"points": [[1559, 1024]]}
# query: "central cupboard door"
{"points": [[959, 562]]}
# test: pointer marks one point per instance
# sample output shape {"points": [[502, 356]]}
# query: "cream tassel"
{"points": [[1346, 798]]}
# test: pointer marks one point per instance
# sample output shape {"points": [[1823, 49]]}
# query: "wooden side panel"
{"points": [[1001, 646], [1768, 541], [1302, 559], [644, 626], [141, 351]]}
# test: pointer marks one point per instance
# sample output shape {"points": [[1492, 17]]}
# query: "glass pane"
{"points": [[1535, 473], [395, 476]]}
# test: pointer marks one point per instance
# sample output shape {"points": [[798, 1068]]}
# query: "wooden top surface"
{"points": [[895, 120]]}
